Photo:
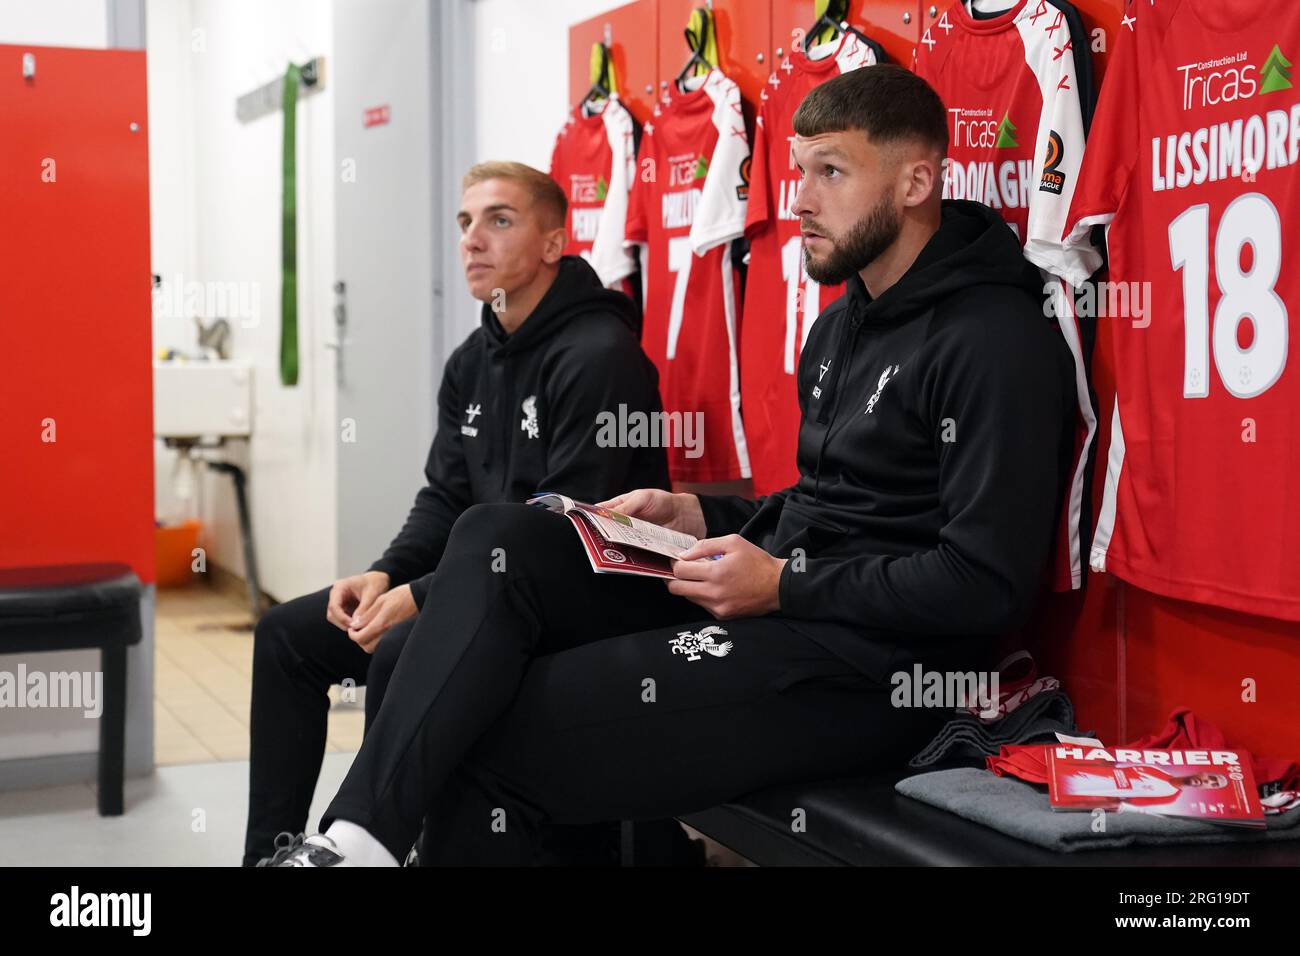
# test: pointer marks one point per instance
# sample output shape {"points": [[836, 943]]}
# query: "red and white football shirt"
{"points": [[593, 162], [1015, 126], [688, 202], [781, 302], [1193, 170]]}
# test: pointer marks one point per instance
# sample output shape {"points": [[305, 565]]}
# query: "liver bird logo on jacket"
{"points": [[529, 421]]}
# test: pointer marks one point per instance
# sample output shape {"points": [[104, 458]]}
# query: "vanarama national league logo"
{"points": [[1053, 180], [742, 190]]}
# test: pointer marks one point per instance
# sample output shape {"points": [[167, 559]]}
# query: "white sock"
{"points": [[358, 847]]}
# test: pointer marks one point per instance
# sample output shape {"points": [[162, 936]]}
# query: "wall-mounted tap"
{"points": [[214, 337]]}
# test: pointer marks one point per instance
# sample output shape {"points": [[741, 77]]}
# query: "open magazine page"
{"points": [[609, 557], [621, 529], [616, 543]]}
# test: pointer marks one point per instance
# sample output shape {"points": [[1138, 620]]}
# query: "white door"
{"points": [[388, 252]]}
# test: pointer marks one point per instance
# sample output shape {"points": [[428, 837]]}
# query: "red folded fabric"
{"points": [[1026, 761], [1183, 731]]}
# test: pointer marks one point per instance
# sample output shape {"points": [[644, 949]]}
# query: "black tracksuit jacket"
{"points": [[518, 414], [934, 444]]}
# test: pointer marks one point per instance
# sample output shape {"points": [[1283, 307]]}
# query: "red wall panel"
{"points": [[1103, 15], [75, 310], [894, 24], [1190, 654]]}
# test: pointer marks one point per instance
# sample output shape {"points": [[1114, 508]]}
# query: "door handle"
{"points": [[340, 328]]}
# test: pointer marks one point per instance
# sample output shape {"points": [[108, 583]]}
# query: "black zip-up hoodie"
{"points": [[518, 413], [933, 448]]}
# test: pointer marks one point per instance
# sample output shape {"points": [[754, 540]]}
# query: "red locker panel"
{"points": [[894, 24], [633, 31], [1180, 654], [1101, 15], [75, 310]]}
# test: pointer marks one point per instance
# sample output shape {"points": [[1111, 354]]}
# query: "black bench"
{"points": [[864, 822], [76, 607]]}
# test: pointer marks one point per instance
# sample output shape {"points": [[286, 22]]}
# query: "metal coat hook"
{"points": [[268, 97]]}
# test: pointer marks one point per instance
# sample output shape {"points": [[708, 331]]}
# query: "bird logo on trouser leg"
{"points": [[693, 643]]}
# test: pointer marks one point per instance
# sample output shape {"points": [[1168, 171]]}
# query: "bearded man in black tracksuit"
{"points": [[517, 413], [935, 438]]}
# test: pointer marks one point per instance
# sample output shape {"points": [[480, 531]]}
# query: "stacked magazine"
{"points": [[1215, 786]]}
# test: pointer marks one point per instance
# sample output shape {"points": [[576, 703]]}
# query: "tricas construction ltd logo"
{"points": [[1233, 77], [1239, 144]]}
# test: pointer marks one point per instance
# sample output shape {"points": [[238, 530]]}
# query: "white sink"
{"points": [[202, 399]]}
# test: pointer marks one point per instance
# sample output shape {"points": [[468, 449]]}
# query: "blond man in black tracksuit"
{"points": [[516, 413]]}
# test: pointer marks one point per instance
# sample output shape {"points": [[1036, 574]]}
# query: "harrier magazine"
{"points": [[1215, 786]]}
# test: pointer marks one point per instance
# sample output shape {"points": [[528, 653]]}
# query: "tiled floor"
{"points": [[204, 667], [204, 656], [191, 815]]}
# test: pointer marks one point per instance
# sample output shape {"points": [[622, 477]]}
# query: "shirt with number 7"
{"points": [[688, 202]]}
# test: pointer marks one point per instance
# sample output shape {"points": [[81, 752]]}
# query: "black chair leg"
{"points": [[627, 843], [112, 732]]}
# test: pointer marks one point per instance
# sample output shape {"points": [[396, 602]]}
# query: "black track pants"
{"points": [[531, 690], [297, 656]]}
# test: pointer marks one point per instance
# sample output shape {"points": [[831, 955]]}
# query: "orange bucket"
{"points": [[174, 553]]}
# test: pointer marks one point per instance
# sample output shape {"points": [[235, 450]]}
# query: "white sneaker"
{"points": [[316, 851]]}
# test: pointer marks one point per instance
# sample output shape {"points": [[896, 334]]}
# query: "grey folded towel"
{"points": [[967, 738], [1018, 809]]}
